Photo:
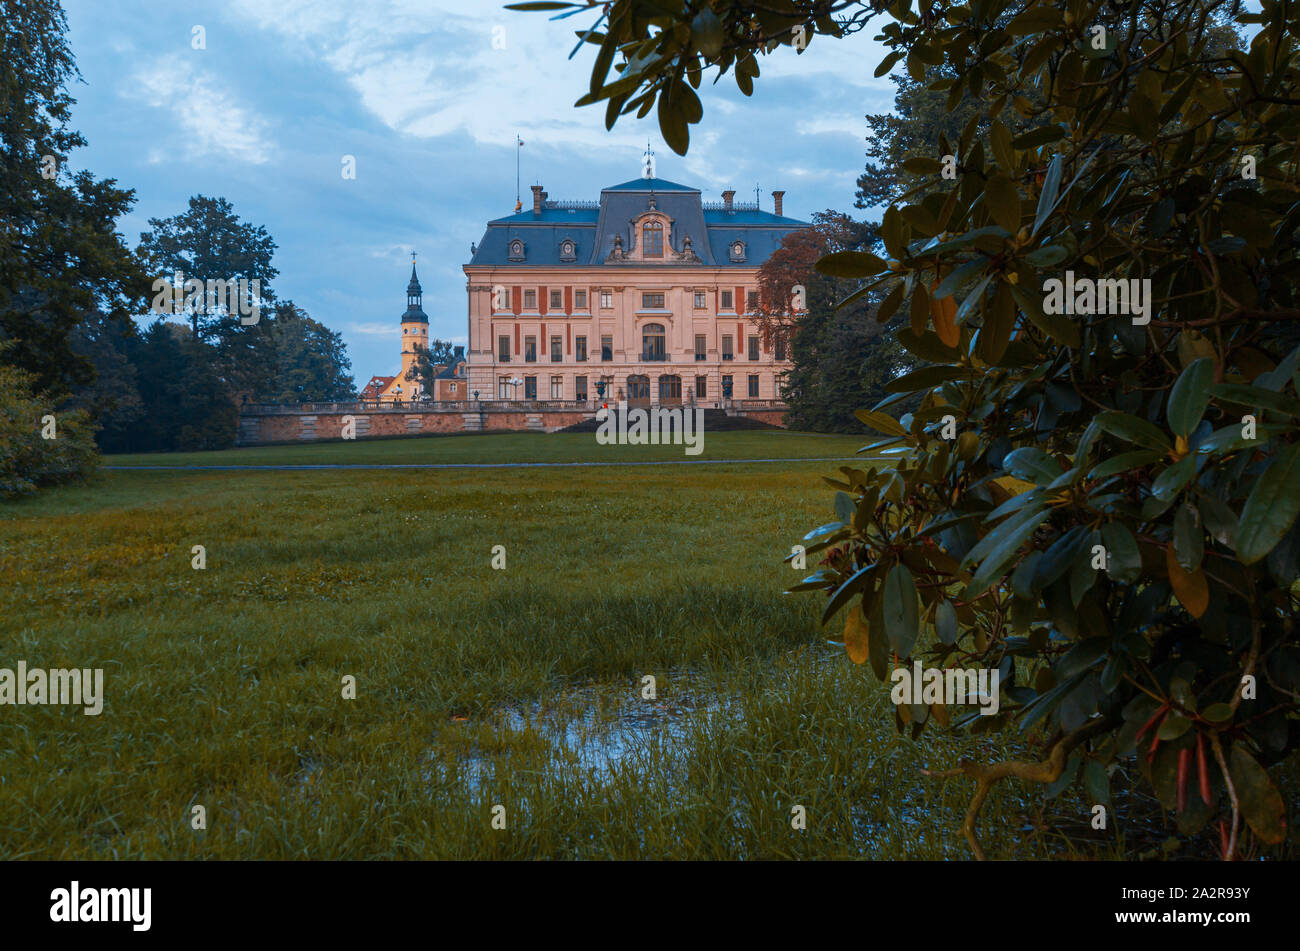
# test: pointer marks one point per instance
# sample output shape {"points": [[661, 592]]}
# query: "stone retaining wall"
{"points": [[288, 424]]}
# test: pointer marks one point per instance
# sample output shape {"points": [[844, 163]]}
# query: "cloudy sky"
{"points": [[421, 93]]}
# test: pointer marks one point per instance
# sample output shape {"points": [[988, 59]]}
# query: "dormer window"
{"points": [[737, 251], [568, 250], [516, 250], [652, 240]]}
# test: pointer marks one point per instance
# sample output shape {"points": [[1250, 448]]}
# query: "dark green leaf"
{"points": [[1271, 508]]}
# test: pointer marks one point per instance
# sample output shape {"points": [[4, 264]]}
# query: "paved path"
{"points": [[487, 465]]}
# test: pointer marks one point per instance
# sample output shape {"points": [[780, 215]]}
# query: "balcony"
{"points": [[654, 358]]}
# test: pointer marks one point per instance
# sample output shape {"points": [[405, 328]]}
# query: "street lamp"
{"points": [[514, 383]]}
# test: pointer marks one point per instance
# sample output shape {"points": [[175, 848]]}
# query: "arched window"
{"points": [[670, 389], [638, 387], [652, 240], [652, 342]]}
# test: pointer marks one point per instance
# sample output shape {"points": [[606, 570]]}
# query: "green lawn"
{"points": [[475, 687], [511, 448]]}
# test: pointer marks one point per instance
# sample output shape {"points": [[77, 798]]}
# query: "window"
{"points": [[557, 300], [726, 300], [751, 301], [701, 346], [726, 387], [557, 387], [557, 348], [780, 348], [652, 301], [670, 389], [453, 388], [606, 299], [530, 349], [579, 387], [580, 299], [652, 342], [530, 387], [753, 386], [606, 348], [504, 389], [700, 299], [530, 300], [727, 352], [753, 348], [580, 349], [701, 387], [500, 298], [503, 349], [652, 240], [638, 387]]}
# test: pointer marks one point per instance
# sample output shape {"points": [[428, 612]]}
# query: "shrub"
{"points": [[1100, 505], [27, 459]]}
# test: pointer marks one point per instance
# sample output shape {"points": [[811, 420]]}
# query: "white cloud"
{"points": [[854, 126], [428, 68], [201, 118], [376, 330]]}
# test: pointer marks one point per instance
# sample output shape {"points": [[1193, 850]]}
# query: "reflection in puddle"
{"points": [[594, 731]]}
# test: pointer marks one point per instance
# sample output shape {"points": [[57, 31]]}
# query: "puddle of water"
{"points": [[596, 730]]}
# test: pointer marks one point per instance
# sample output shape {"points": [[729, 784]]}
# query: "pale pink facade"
{"points": [[631, 292]]}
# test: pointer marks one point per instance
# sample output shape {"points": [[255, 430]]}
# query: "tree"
{"points": [[311, 361], [1112, 525], [61, 258], [112, 398], [39, 444], [841, 357], [184, 403], [429, 362], [920, 120], [208, 242]]}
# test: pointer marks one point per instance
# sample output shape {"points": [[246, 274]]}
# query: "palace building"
{"points": [[649, 290]]}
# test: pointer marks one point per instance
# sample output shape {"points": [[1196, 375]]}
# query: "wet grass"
{"points": [[476, 688]]}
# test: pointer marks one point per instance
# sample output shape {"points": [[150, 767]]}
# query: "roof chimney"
{"points": [[727, 197], [538, 196], [777, 200]]}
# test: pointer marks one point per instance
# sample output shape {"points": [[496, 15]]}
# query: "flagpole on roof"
{"points": [[519, 144]]}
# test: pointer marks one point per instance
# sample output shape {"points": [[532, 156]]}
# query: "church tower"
{"points": [[415, 330]]}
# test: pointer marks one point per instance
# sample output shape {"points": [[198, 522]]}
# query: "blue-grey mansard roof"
{"points": [[592, 227]]}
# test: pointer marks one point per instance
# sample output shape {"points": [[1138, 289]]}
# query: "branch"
{"points": [[1046, 771]]}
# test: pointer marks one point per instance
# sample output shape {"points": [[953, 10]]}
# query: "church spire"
{"points": [[414, 296], [413, 289]]}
